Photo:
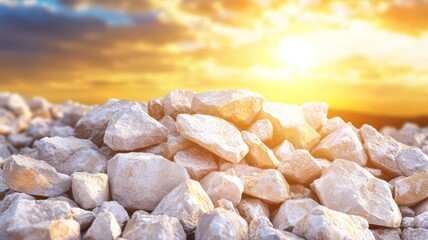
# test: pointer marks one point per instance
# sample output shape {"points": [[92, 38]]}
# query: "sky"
{"points": [[364, 56]]}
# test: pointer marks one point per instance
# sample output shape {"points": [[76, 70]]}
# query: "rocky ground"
{"points": [[212, 165]]}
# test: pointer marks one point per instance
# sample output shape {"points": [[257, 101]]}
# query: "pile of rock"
{"points": [[213, 165]]}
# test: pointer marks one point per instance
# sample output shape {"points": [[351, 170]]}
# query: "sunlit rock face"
{"points": [[222, 164]]}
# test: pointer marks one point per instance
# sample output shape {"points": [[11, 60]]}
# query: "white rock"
{"points": [[302, 136], [197, 161], [8, 122], [132, 129], [300, 166], [11, 198], [342, 143], [252, 208], [408, 222], [263, 129], [421, 221], [56, 229], [359, 192], [225, 185], [221, 224], [87, 160], [268, 185], [150, 175], [155, 108], [57, 150], [118, 211], [324, 224], [147, 227], [407, 211], [283, 150], [411, 190], [315, 113], [35, 177], [177, 101], [259, 155], [214, 134], [261, 228], [187, 202], [226, 204], [64, 199], [90, 190], [83, 217], [414, 234], [237, 105], [412, 161], [16, 104], [61, 131], [169, 123], [104, 227], [291, 212], [175, 144], [386, 233]]}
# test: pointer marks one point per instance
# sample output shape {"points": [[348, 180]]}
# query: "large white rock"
{"points": [[90, 190], [349, 188], [221, 224], [300, 166], [56, 150], [315, 113], [324, 224], [104, 227], [148, 227], [133, 129], [261, 228], [225, 185], [94, 123], [197, 161], [35, 177], [291, 212], [237, 105], [47, 230], [252, 208], [149, 175], [259, 155], [268, 185], [343, 143], [412, 160], [214, 134], [177, 101], [411, 190], [87, 160], [187, 202]]}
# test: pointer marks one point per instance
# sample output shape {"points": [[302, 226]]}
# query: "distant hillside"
{"points": [[378, 122]]}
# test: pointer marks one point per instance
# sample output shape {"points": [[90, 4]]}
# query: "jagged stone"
{"points": [[90, 190], [87, 160], [411, 190], [414, 234], [263, 129], [386, 233], [155, 108], [177, 102], [300, 166], [214, 134], [283, 150], [226, 204], [259, 155], [315, 113], [104, 226], [268, 185], [291, 212], [117, 210], [261, 228], [412, 160], [83, 217], [252, 208], [197, 161], [331, 125], [223, 185], [55, 229], [175, 144]]}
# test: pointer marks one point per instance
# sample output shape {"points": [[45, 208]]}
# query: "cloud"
{"points": [[122, 5]]}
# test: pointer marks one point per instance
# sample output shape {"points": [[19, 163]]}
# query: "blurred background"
{"points": [[367, 59]]}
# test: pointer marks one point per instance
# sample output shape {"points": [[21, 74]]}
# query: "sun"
{"points": [[296, 52]]}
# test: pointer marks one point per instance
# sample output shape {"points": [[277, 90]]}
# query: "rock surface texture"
{"points": [[222, 164]]}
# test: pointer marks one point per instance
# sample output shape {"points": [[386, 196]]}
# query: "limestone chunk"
{"points": [[87, 160], [11, 198], [214, 134], [263, 129], [237, 105], [283, 150], [56, 150], [147, 227], [83, 217], [411, 190], [35, 177], [56, 229], [133, 129], [259, 155], [407, 211], [302, 136], [331, 125], [408, 222], [323, 224], [159, 149], [151, 175], [16, 104], [291, 212], [20, 140], [104, 227], [8, 122], [414, 234], [300, 167], [223, 185], [155, 108], [268, 185], [382, 152], [61, 131], [187, 202], [221, 224], [90, 190], [386, 233], [412, 160], [197, 161], [64, 199], [252, 208], [226, 204], [281, 115], [22, 213], [360, 194], [176, 144], [315, 113], [117, 210], [261, 228], [421, 221], [177, 102], [169, 123], [93, 124], [342, 143], [298, 191]]}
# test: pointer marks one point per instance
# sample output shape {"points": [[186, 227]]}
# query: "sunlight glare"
{"points": [[296, 52]]}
